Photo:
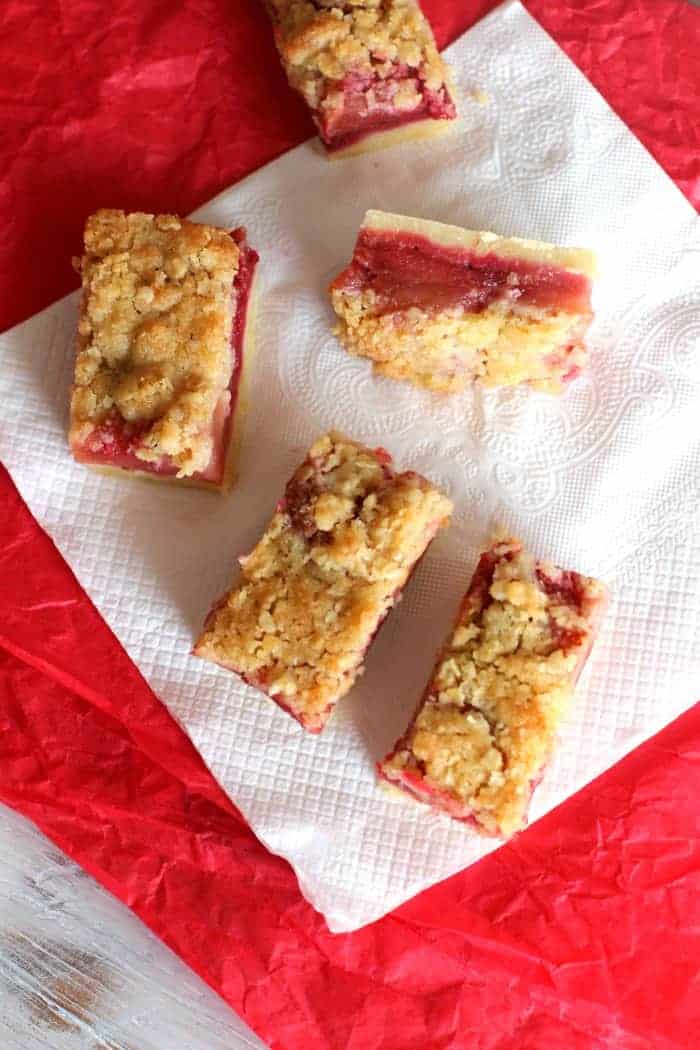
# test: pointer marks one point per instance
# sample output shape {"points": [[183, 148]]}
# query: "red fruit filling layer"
{"points": [[115, 442], [368, 106], [407, 269]]}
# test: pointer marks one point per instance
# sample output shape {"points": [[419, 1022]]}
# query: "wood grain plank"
{"points": [[78, 971]]}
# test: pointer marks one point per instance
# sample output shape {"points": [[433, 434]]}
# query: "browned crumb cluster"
{"points": [[487, 724], [327, 570], [154, 336]]}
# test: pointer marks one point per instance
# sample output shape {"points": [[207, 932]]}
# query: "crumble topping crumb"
{"points": [[446, 350], [325, 573], [154, 335], [479, 95]]}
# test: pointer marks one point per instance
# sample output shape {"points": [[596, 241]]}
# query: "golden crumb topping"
{"points": [[327, 570], [446, 350], [488, 722], [154, 334], [321, 42]]}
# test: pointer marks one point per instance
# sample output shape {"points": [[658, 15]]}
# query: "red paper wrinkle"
{"points": [[65, 632]]}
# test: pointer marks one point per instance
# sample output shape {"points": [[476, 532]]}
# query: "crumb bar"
{"points": [[368, 69], [487, 723], [163, 335], [442, 306], [329, 567]]}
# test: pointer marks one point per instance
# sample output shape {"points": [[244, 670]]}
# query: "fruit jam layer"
{"points": [[408, 270], [115, 442], [369, 106], [413, 780]]}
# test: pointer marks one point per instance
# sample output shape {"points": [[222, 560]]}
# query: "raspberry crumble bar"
{"points": [[487, 723], [441, 306], [331, 564], [368, 69], [163, 335]]}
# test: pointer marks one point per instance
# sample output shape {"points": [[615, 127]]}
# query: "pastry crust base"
{"points": [[428, 128]]}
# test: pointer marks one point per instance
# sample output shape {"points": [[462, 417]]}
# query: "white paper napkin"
{"points": [[605, 480]]}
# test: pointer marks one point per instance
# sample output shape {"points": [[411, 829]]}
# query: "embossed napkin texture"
{"points": [[605, 479]]}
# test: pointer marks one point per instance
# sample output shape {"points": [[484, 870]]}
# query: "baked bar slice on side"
{"points": [[331, 564], [487, 724], [441, 306], [164, 341], [369, 71]]}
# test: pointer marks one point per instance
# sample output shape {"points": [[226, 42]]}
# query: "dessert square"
{"points": [[329, 567], [442, 306], [487, 723], [164, 333], [369, 71]]}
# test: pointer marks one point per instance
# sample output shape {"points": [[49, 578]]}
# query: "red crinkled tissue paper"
{"points": [[584, 932]]}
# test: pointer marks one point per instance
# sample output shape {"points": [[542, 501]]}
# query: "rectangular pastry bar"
{"points": [[368, 70], [163, 335], [487, 724], [329, 567], [441, 306]]}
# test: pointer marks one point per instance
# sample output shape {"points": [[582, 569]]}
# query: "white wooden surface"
{"points": [[79, 971]]}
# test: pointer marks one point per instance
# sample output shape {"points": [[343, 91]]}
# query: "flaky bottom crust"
{"points": [[376, 140]]}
